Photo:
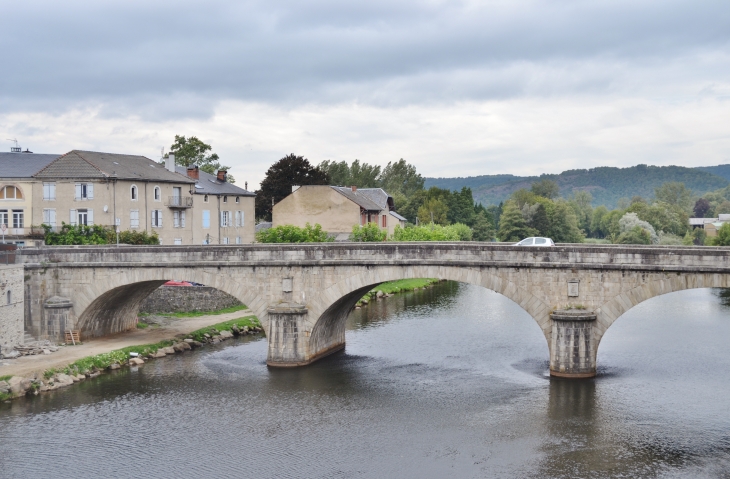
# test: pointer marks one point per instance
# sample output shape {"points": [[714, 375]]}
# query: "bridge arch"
{"points": [[329, 312], [109, 303]]}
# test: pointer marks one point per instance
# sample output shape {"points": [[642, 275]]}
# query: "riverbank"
{"points": [[88, 359], [395, 287]]}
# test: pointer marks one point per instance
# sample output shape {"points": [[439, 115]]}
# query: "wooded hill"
{"points": [[606, 184]]}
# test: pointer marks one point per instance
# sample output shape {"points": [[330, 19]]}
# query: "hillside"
{"points": [[606, 184]]}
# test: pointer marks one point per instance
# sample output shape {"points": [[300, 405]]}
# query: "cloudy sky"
{"points": [[457, 88]]}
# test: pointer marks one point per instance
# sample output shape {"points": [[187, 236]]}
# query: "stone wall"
{"points": [[173, 299], [12, 305]]}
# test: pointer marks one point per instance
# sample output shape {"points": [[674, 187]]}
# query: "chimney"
{"points": [[170, 162], [354, 188], [245, 186], [221, 175], [193, 172]]}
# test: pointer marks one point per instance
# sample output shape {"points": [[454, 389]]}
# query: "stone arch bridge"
{"points": [[302, 293]]}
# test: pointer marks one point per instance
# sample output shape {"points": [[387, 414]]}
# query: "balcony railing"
{"points": [[179, 202]]}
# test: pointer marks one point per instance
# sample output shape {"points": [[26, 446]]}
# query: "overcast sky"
{"points": [[457, 88]]}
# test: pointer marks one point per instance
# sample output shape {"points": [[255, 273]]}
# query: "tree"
{"points": [[290, 171], [461, 206], [400, 177], [581, 204], [433, 211], [702, 206], [193, 152], [546, 188], [564, 224], [512, 225], [723, 236], [483, 229], [596, 229], [358, 174], [371, 232], [675, 193], [636, 235], [628, 224]]}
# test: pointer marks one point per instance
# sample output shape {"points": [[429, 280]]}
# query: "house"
{"points": [[17, 195], [224, 213], [337, 209], [710, 225], [115, 190]]}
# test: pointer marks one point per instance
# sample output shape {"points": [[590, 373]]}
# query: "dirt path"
{"points": [[27, 365]]}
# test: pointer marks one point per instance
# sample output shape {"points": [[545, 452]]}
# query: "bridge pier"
{"points": [[573, 348]]}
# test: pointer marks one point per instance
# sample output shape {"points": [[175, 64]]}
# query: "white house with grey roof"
{"points": [[337, 209]]}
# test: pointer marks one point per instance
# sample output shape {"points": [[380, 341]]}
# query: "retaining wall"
{"points": [[174, 299], [11, 307]]}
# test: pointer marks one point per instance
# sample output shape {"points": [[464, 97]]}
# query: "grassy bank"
{"points": [[195, 314], [240, 323], [400, 286]]}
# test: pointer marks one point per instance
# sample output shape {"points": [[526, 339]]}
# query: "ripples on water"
{"points": [[447, 382]]}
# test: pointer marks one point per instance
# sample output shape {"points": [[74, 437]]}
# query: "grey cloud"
{"points": [[165, 59]]}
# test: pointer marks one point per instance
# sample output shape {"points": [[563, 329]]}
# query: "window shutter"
{"points": [[90, 217], [241, 218], [73, 219], [90, 191], [222, 216], [182, 219], [159, 218], [52, 217], [78, 191]]}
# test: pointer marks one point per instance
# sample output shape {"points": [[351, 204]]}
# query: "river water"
{"points": [[450, 382]]}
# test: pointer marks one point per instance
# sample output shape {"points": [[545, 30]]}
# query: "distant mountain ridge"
{"points": [[606, 184]]}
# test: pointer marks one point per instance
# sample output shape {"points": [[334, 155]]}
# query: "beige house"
{"points": [[223, 212], [17, 196], [337, 209]]}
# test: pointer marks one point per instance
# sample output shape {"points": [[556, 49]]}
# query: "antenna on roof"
{"points": [[16, 148]]}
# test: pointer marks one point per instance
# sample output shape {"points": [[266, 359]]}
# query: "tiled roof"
{"points": [[23, 165], [376, 195], [359, 198], [397, 216], [92, 164], [208, 184]]}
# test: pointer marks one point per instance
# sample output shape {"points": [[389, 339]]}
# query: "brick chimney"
{"points": [[221, 175], [193, 172], [354, 188]]}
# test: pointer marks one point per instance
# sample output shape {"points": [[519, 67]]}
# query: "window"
{"points": [[134, 219], [49, 191], [10, 193], [238, 240], [206, 219], [10, 297], [238, 215], [84, 191], [225, 240], [178, 219], [225, 219], [205, 199], [83, 217], [158, 193], [178, 241], [385, 221], [225, 199], [49, 217], [238, 199], [17, 218], [177, 192], [134, 193], [157, 218], [3, 217]]}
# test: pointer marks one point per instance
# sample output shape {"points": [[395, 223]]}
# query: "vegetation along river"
{"points": [[445, 382]]}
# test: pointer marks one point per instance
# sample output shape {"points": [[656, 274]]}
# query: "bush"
{"points": [[432, 232], [294, 234], [723, 236], [371, 232], [95, 234], [636, 235]]}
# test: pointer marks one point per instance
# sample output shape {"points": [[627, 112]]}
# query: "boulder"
{"points": [[11, 355], [226, 334], [63, 380], [18, 385], [114, 366], [4, 387], [80, 377], [160, 353], [46, 351], [180, 347], [197, 344], [168, 350], [379, 294], [188, 340], [136, 362]]}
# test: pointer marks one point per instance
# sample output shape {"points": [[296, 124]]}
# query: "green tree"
{"points": [[596, 229], [371, 232], [675, 193], [461, 206], [193, 152], [290, 171], [512, 225], [564, 224], [546, 188], [433, 211], [401, 177], [702, 206], [357, 174], [581, 204], [294, 234], [723, 236], [483, 229], [636, 235]]}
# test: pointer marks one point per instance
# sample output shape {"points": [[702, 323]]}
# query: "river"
{"points": [[448, 382]]}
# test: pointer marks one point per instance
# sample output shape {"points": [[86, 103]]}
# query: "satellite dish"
{"points": [[106, 208]]}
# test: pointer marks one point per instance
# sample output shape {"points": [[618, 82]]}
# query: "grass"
{"points": [[142, 325], [250, 321], [195, 314], [400, 286], [5, 378]]}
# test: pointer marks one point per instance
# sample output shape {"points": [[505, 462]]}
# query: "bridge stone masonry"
{"points": [[303, 293]]}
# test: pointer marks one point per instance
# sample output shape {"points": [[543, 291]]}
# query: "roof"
{"points": [[264, 225], [701, 221], [361, 198], [397, 216], [208, 184], [23, 165], [92, 164]]}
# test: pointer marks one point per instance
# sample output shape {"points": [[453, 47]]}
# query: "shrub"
{"points": [[294, 234], [432, 232], [371, 232]]}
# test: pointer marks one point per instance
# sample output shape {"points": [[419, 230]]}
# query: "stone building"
{"points": [[12, 305], [337, 209]]}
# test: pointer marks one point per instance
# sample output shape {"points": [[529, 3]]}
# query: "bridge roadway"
{"points": [[302, 293]]}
